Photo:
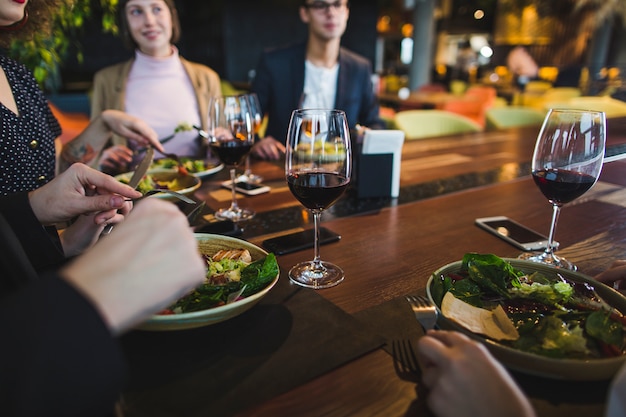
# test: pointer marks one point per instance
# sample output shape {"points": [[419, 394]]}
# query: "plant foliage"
{"points": [[45, 51]]}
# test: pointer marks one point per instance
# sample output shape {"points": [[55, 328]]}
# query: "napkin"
{"points": [[386, 142]]}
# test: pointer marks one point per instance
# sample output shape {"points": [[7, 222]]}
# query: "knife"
{"points": [[140, 171]]}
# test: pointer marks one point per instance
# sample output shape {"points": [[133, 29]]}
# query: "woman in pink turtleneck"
{"points": [[157, 85]]}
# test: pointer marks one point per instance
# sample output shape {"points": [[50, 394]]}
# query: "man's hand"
{"points": [[149, 262], [269, 148]]}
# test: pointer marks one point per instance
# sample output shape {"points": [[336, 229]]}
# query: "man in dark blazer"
{"points": [[59, 356], [282, 75]]}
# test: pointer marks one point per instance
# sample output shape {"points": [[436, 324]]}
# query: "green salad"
{"points": [[193, 166], [231, 276], [554, 316]]}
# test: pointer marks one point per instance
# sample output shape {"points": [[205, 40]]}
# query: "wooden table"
{"points": [[392, 251]]}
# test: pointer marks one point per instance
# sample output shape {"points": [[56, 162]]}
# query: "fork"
{"points": [[425, 312], [405, 361], [163, 191]]}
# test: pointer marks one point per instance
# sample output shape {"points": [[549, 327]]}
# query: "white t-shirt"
{"points": [[320, 86]]}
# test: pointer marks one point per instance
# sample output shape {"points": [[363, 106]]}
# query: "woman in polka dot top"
{"points": [[28, 128]]}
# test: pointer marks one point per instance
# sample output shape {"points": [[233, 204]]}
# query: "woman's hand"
{"points": [[86, 146], [465, 380], [81, 190], [268, 148], [115, 159], [132, 128]]}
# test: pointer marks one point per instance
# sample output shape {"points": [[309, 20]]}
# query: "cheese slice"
{"points": [[494, 324]]}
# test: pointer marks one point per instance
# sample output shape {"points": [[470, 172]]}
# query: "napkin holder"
{"points": [[378, 168]]}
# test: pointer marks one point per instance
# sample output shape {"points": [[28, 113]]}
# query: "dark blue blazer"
{"points": [[279, 82]]}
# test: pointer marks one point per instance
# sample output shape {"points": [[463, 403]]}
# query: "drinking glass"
{"points": [[566, 163], [318, 165], [231, 137], [257, 120]]}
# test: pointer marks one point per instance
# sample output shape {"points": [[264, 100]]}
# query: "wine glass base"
{"points": [[237, 215], [310, 275], [548, 259]]}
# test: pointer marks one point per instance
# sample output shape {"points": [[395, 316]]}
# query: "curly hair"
{"points": [[40, 16], [127, 38]]}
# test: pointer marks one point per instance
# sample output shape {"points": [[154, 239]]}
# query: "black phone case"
{"points": [[298, 241], [225, 228]]}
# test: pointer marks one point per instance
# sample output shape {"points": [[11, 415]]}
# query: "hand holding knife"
{"points": [[139, 173]]}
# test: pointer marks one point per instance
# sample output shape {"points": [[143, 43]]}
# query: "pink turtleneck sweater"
{"points": [[160, 92]]}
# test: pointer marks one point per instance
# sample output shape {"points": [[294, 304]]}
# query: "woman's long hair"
{"points": [[39, 15]]}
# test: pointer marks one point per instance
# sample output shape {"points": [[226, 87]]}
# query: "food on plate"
{"points": [[231, 276], [193, 166], [554, 316], [494, 324], [149, 182]]}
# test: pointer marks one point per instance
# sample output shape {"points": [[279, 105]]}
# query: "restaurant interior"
{"points": [[469, 132]]}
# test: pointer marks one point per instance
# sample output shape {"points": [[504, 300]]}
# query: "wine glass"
{"points": [[231, 137], [566, 163], [318, 165], [257, 120]]}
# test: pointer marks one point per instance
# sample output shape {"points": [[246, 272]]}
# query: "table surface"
{"points": [[391, 250]]}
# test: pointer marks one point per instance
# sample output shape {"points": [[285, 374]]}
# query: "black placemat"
{"points": [[290, 337]]}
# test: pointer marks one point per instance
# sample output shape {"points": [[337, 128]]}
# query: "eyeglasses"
{"points": [[322, 6]]}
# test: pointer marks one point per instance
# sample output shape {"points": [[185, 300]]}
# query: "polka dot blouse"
{"points": [[27, 157]]}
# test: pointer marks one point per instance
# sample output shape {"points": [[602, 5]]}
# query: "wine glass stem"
{"points": [[247, 171], [555, 217], [233, 177], [317, 218]]}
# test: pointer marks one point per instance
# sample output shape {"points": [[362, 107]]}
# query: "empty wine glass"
{"points": [[566, 163], [257, 120], [318, 166], [231, 137]]}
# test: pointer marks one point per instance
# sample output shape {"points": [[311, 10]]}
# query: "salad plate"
{"points": [[210, 244], [196, 167], [565, 368], [164, 178]]}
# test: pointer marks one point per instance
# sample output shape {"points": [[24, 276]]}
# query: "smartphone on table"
{"points": [[297, 241], [247, 188], [514, 233]]}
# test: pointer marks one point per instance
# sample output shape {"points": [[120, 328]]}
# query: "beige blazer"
{"points": [[109, 89]]}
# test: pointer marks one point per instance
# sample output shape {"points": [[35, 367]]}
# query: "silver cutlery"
{"points": [[193, 215], [405, 360], [425, 312], [163, 191], [140, 171]]}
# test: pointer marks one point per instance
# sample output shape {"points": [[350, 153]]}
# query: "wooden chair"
{"points": [[418, 124], [513, 116]]}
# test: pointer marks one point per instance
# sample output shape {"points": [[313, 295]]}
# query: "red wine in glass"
{"points": [[231, 152], [566, 163], [318, 166], [317, 190], [231, 138], [561, 186]]}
